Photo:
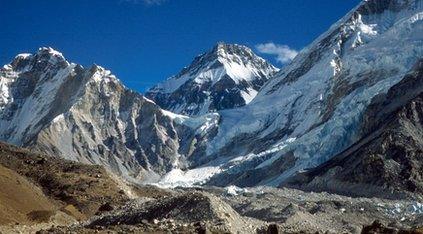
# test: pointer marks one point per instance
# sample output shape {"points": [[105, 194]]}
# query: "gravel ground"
{"points": [[295, 210], [253, 210]]}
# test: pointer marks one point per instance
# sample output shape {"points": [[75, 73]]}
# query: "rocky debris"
{"points": [[295, 211], [258, 210], [270, 229], [241, 210], [377, 227], [183, 212], [198, 210], [104, 208]]}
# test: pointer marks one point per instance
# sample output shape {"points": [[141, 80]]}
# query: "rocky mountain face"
{"points": [[226, 77], [87, 115], [312, 110], [388, 160]]}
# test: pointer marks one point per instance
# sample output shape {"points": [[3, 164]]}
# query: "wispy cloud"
{"points": [[283, 53], [145, 2], [154, 2]]}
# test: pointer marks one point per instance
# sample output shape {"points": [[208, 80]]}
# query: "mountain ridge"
{"points": [[304, 115], [227, 76], [87, 115]]}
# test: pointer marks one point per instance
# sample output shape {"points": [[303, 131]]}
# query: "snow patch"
{"points": [[233, 190], [248, 95], [58, 118], [194, 177], [23, 56]]}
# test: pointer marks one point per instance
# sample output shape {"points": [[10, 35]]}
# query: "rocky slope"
{"points": [[69, 185], [388, 160], [38, 191], [19, 198], [87, 115], [228, 76]]}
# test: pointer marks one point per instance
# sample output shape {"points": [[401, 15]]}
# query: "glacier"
{"points": [[319, 98]]}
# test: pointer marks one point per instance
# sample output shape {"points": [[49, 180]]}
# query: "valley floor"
{"points": [[41, 194], [235, 210]]}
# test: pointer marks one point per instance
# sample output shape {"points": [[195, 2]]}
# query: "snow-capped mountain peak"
{"points": [[88, 115], [45, 58], [227, 76]]}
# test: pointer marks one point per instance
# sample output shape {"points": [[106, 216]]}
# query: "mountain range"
{"points": [[346, 112]]}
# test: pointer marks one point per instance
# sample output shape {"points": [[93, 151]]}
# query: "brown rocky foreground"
{"points": [[41, 194]]}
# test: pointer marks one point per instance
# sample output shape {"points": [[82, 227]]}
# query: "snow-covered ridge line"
{"points": [[88, 115], [227, 76]]}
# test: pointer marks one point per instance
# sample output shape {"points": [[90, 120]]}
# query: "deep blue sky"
{"points": [[145, 43]]}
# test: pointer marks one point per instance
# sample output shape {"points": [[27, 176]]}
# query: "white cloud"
{"points": [[283, 53]]}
